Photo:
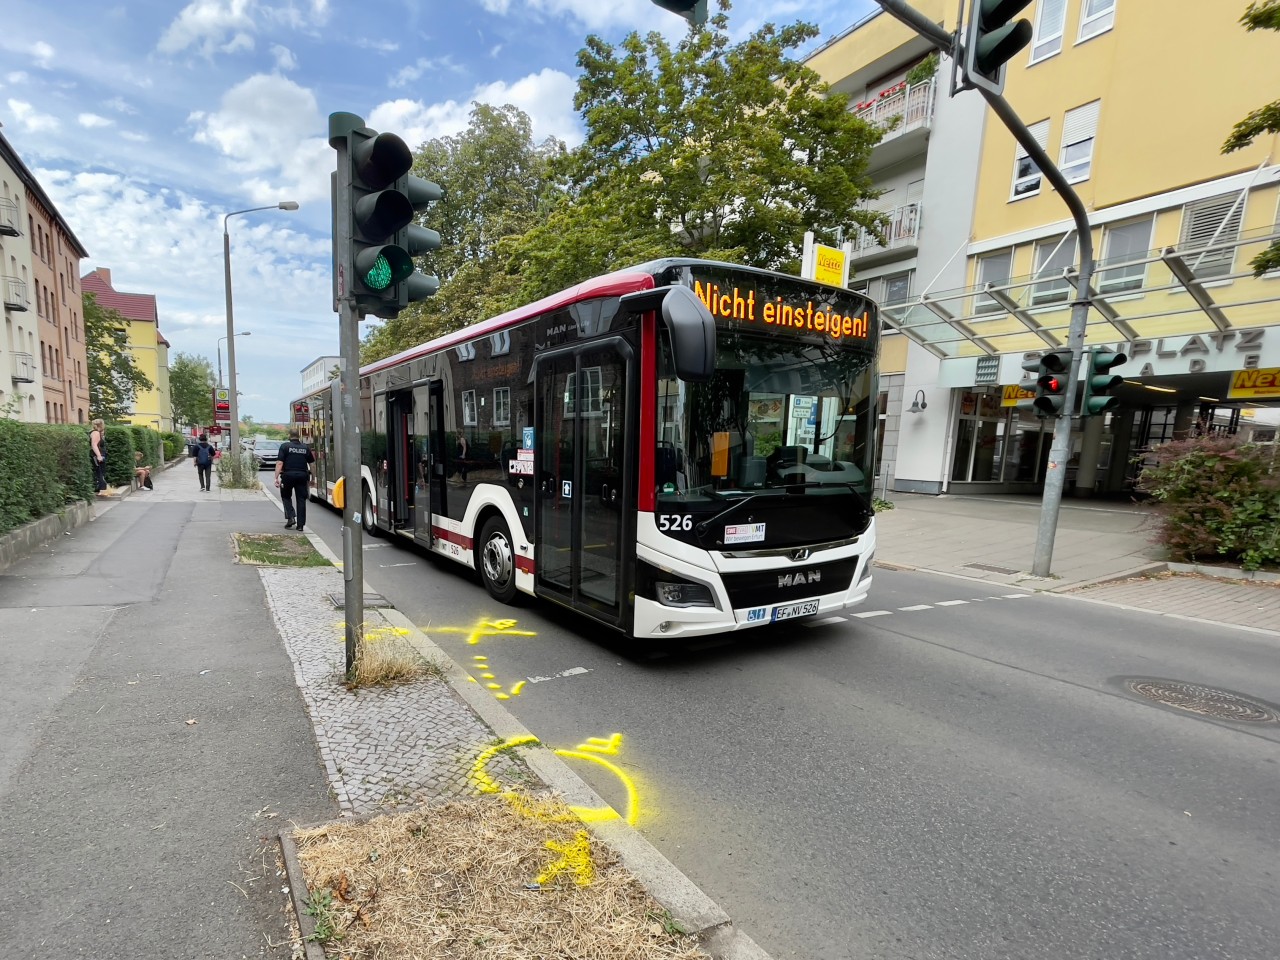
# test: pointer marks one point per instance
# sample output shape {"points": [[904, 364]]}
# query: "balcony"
{"points": [[904, 112], [24, 368], [901, 237], [15, 293], [8, 217]]}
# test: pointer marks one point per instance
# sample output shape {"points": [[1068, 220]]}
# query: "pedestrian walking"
{"points": [[293, 477], [98, 454], [204, 461]]}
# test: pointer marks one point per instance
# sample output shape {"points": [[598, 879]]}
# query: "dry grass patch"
{"points": [[480, 878], [277, 550], [384, 657]]}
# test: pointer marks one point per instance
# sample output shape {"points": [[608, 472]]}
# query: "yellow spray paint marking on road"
{"points": [[491, 628], [575, 857]]}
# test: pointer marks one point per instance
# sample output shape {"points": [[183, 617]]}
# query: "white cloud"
{"points": [[209, 26], [135, 137], [31, 120], [17, 76], [92, 120], [270, 128], [43, 53], [285, 60], [406, 75], [119, 105], [379, 46]]}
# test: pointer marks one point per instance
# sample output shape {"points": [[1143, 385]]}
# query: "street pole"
{"points": [[220, 339], [349, 383], [237, 466], [1060, 446]]}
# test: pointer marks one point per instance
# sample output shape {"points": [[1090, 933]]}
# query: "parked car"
{"points": [[267, 453]]}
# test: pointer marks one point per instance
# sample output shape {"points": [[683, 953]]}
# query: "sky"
{"points": [[146, 122]]}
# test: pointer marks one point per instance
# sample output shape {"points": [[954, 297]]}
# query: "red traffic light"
{"points": [[1050, 384]]}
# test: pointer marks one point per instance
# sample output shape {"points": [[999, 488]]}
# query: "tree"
{"points": [[114, 378], [494, 175], [710, 149], [1260, 15], [191, 384]]}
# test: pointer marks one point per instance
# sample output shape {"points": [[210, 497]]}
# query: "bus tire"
{"points": [[366, 513], [496, 560]]}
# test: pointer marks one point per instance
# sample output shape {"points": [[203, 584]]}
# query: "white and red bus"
{"points": [[677, 449]]}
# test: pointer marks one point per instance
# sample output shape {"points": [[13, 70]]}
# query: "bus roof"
{"points": [[629, 280]]}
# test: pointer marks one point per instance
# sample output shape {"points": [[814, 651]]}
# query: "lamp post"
{"points": [[237, 466], [243, 333]]}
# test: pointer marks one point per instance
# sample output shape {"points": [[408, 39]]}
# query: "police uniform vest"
{"points": [[295, 456]]}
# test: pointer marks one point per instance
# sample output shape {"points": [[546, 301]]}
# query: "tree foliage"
{"points": [[709, 149], [191, 383], [1261, 15], [114, 377], [494, 176]]}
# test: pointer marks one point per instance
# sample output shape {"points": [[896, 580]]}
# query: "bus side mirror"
{"points": [[689, 323]]}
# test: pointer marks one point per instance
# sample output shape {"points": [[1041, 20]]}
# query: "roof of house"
{"points": [[131, 306], [10, 156]]}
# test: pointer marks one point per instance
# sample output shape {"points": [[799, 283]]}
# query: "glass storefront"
{"points": [[997, 444]]}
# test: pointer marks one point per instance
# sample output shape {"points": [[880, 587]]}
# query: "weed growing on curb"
{"points": [[320, 907]]}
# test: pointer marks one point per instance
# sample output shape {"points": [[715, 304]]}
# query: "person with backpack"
{"points": [[204, 461]]}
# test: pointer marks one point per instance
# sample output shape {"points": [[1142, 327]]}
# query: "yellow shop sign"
{"points": [[1255, 384], [1011, 394]]}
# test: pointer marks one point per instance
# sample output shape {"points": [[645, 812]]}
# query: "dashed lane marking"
{"points": [[950, 603], [918, 606], [873, 613], [825, 620]]}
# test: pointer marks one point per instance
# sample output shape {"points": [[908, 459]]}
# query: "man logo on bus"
{"points": [[799, 579]]}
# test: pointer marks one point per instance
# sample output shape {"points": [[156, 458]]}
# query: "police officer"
{"points": [[293, 477]]}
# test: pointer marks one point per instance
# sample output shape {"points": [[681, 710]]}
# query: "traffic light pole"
{"points": [[349, 415], [1060, 448]]}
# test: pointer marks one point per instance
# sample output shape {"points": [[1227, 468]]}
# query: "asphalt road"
{"points": [[960, 780]]}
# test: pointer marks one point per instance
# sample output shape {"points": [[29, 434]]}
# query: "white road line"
{"points": [[571, 672], [950, 603], [1016, 596], [873, 613], [384, 566], [918, 606], [824, 620]]}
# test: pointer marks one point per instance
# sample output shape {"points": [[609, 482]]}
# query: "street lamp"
{"points": [[237, 467], [243, 333]]}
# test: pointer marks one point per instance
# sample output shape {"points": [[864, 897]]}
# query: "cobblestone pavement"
{"points": [[381, 746], [1188, 595]]}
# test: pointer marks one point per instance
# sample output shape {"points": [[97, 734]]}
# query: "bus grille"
{"points": [[761, 588]]}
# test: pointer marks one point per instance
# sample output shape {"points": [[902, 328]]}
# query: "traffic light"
{"points": [[1099, 381], [374, 203], [695, 11], [1051, 370], [991, 40]]}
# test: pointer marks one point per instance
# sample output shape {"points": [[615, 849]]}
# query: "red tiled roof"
{"points": [[132, 306]]}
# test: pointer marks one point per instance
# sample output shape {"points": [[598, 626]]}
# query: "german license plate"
{"points": [[795, 610]]}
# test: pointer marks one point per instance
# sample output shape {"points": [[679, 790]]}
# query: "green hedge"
{"points": [[175, 444], [43, 467], [1220, 500], [120, 449]]}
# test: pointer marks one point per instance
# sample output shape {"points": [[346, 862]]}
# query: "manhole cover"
{"points": [[1205, 701]]}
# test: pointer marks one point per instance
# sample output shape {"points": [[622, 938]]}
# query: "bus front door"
{"points": [[394, 473], [429, 485], [584, 434]]}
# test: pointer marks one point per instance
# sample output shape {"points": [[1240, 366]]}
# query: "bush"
{"points": [[149, 442], [175, 444], [249, 471], [120, 447], [42, 468], [1220, 500]]}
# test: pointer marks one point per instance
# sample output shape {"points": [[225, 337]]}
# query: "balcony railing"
{"points": [[900, 108], [15, 293], [24, 368], [8, 217], [902, 230]]}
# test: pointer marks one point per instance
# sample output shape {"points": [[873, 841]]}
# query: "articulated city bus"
{"points": [[677, 449]]}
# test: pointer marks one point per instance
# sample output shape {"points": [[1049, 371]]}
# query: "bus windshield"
{"points": [[778, 414]]}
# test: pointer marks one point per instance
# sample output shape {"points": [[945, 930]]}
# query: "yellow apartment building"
{"points": [[1174, 224], [150, 350]]}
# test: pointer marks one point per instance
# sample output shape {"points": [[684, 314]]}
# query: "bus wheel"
{"points": [[366, 514], [496, 561]]}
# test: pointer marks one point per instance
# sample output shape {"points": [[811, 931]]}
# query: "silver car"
{"points": [[267, 453]]}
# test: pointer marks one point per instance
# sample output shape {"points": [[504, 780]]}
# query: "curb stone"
{"points": [[698, 914]]}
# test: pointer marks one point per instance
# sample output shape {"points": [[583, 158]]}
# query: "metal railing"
{"points": [[902, 230], [907, 106], [9, 225], [15, 294]]}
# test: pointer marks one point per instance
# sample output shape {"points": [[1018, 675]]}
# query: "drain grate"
{"points": [[991, 568], [1205, 701]]}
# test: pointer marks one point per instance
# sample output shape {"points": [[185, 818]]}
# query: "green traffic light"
{"points": [[379, 275]]}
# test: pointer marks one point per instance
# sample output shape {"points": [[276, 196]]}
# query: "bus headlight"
{"points": [[683, 594]]}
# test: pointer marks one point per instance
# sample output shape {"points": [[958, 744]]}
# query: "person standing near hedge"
{"points": [[98, 450]]}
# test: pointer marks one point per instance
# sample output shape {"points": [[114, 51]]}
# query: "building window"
{"points": [[995, 269], [501, 406], [468, 408], [897, 288], [1047, 39], [1026, 175], [1053, 257], [1216, 221], [591, 393], [1096, 16], [500, 343], [1078, 130], [1124, 242]]}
